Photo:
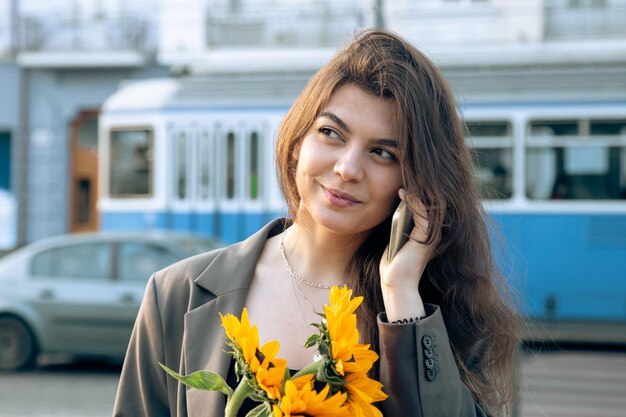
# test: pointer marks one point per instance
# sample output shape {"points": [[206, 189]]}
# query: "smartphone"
{"points": [[401, 227]]}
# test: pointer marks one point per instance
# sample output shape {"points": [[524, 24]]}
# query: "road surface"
{"points": [[554, 384]]}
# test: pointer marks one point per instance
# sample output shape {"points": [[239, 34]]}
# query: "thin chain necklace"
{"points": [[317, 357], [304, 296], [295, 297], [293, 274]]}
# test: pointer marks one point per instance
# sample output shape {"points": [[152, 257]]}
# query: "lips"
{"points": [[339, 198]]}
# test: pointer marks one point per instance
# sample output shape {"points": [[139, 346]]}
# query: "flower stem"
{"points": [[233, 404], [309, 369]]}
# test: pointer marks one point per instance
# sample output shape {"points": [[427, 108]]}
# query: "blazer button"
{"points": [[431, 374], [430, 363], [427, 341], [429, 352]]}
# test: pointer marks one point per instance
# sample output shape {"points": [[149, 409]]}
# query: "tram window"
{"points": [[488, 129], [580, 160], [130, 163], [204, 155], [491, 147], [253, 175], [180, 147], [607, 127], [230, 165], [556, 127]]}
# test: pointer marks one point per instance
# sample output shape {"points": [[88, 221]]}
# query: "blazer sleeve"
{"points": [[418, 370], [142, 389]]}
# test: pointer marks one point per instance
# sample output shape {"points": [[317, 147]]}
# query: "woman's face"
{"points": [[348, 173]]}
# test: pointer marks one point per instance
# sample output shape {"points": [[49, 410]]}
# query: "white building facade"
{"points": [[62, 62], [65, 58]]}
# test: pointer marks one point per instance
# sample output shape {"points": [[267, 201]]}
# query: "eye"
{"points": [[327, 131], [384, 154]]}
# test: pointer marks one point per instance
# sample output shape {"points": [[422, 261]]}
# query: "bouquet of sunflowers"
{"points": [[341, 368]]}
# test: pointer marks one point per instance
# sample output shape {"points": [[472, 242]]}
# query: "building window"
{"points": [[130, 163], [579, 4], [491, 146], [465, 1], [83, 200], [5, 160], [88, 134]]}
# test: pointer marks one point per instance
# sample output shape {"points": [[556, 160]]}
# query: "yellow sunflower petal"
{"points": [[301, 399], [270, 349], [231, 325]]}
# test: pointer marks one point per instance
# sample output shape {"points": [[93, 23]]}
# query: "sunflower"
{"points": [[302, 400], [270, 371], [264, 367], [242, 334], [351, 360], [347, 353], [362, 392]]}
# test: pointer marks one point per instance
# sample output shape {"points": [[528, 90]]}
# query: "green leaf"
{"points": [[324, 349], [328, 375], [311, 368], [318, 326], [258, 396], [261, 410], [311, 341], [205, 380]]}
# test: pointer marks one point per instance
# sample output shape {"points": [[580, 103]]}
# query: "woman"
{"points": [[375, 125]]}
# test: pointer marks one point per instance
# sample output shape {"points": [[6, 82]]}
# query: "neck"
{"points": [[319, 255]]}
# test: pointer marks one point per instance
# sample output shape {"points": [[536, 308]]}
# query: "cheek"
{"points": [[388, 192], [388, 183], [392, 201]]}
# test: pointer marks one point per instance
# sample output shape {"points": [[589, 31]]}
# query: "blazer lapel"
{"points": [[228, 278]]}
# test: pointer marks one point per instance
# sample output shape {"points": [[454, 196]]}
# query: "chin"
{"points": [[344, 223]]}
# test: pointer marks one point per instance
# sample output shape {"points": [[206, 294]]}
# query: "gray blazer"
{"points": [[178, 325]]}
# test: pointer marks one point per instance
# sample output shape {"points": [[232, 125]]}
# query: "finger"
{"points": [[416, 207]]}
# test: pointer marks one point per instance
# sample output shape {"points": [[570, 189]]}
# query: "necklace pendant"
{"points": [[317, 357]]}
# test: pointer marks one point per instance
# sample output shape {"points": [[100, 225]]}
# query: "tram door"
{"points": [[84, 172]]}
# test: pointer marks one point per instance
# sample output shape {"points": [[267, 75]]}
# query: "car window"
{"points": [[79, 261], [195, 246], [137, 261]]}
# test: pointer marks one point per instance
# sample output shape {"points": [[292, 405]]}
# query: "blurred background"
{"points": [[149, 126]]}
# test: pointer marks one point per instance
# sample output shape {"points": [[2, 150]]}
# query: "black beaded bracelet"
{"points": [[409, 320]]}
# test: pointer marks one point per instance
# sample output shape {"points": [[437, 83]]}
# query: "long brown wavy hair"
{"points": [[462, 278]]}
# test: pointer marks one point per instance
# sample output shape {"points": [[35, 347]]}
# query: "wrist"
{"points": [[401, 293], [403, 304]]}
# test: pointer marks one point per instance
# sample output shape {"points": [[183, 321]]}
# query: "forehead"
{"points": [[361, 110]]}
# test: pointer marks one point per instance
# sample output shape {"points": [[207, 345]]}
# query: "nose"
{"points": [[349, 165]]}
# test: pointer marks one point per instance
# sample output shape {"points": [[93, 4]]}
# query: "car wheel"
{"points": [[17, 345]]}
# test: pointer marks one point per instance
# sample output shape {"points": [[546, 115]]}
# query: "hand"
{"points": [[400, 278], [406, 268]]}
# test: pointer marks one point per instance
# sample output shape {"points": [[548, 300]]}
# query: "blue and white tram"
{"points": [[173, 161], [555, 180], [553, 175]]}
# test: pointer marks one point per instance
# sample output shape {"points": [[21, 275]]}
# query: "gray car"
{"points": [[80, 294]]}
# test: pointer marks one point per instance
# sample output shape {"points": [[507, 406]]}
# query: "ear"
{"points": [[295, 153]]}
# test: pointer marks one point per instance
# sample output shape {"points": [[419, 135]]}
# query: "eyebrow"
{"points": [[337, 120], [385, 142]]}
